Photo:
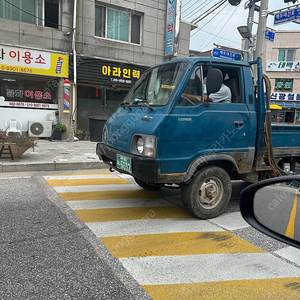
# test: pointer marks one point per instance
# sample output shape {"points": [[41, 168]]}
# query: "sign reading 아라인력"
{"points": [[28, 61]]}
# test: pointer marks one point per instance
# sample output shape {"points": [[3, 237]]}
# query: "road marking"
{"points": [[96, 188], [117, 203], [230, 221], [290, 253], [291, 225], [179, 243], [207, 268], [87, 181], [150, 226], [251, 289], [169, 252], [80, 176], [131, 213], [104, 194]]}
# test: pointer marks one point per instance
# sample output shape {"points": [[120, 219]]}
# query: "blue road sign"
{"points": [[269, 35], [287, 16], [226, 54]]}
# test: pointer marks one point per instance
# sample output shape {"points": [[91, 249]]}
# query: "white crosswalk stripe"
{"points": [[134, 227], [205, 268], [137, 202]]}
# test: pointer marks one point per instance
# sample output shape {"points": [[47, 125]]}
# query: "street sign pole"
{"points": [[262, 25]]}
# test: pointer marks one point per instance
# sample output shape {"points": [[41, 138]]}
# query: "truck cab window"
{"points": [[192, 93]]}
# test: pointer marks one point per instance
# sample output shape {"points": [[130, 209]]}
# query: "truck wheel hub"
{"points": [[210, 193]]}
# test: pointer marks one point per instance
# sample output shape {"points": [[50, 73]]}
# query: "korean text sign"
{"points": [[22, 60], [172, 27], [283, 66]]}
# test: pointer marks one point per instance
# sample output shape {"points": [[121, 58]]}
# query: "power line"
{"points": [[222, 27], [198, 8], [186, 3], [209, 11], [212, 17]]}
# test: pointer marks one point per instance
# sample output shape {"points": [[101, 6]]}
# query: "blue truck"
{"points": [[166, 132]]}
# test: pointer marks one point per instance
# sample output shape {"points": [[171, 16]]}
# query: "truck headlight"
{"points": [[143, 144], [140, 145]]}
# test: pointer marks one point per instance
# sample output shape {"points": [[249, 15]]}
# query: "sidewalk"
{"points": [[55, 156]]}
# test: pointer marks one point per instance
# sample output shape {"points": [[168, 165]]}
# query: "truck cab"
{"points": [[169, 130]]}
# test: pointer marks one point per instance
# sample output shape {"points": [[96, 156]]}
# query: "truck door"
{"points": [[194, 129]]}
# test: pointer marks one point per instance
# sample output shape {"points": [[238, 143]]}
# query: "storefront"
{"points": [[93, 75], [285, 112], [31, 85]]}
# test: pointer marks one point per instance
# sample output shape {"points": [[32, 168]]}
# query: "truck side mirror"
{"points": [[270, 206], [214, 80]]}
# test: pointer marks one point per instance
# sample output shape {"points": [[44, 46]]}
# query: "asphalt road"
{"points": [[46, 252]]}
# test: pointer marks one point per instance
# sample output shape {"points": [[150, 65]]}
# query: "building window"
{"points": [[286, 54], [117, 25], [22, 91], [39, 12], [283, 84]]}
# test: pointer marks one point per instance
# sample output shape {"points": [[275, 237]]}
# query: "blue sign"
{"points": [[226, 54], [287, 16], [171, 44], [269, 35]]}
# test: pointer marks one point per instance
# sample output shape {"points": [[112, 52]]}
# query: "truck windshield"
{"points": [[156, 85]]}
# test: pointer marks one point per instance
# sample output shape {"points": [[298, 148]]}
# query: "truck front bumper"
{"points": [[143, 168]]}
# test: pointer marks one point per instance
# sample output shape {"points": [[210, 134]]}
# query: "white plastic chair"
{"points": [[13, 126]]}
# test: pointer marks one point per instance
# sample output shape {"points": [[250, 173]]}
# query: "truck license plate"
{"points": [[124, 163]]}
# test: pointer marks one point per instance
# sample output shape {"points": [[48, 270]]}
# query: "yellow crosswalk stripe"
{"points": [[83, 174], [106, 195], [254, 289], [92, 181], [181, 243], [131, 213]]}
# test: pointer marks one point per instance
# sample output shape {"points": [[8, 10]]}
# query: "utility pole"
{"points": [[262, 24], [250, 20]]}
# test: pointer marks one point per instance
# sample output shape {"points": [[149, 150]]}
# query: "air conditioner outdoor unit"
{"points": [[40, 128]]}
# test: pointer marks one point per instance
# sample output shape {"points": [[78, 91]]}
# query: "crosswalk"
{"points": [[171, 254]]}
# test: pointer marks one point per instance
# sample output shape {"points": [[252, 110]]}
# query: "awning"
{"points": [[286, 103], [275, 106]]}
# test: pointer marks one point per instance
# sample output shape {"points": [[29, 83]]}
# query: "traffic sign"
{"points": [[286, 16], [226, 54], [269, 35]]}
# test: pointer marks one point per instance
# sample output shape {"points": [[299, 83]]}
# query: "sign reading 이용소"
{"points": [[22, 60]]}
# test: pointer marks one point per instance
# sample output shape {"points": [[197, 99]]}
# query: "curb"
{"points": [[50, 166]]}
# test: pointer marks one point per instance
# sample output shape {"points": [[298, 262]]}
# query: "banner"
{"points": [[172, 27], [28, 61], [283, 66]]}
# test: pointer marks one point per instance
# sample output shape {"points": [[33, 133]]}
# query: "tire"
{"points": [[195, 198], [147, 186]]}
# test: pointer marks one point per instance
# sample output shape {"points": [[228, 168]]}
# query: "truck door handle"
{"points": [[238, 123]]}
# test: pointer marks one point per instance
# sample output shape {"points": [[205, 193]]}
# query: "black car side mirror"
{"points": [[271, 206]]}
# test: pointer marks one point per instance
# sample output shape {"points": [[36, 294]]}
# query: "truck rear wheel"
{"points": [[208, 193], [147, 186]]}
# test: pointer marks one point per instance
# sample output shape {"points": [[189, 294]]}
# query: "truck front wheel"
{"points": [[208, 193]]}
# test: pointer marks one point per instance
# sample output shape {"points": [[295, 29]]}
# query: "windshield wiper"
{"points": [[125, 104], [143, 104]]}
